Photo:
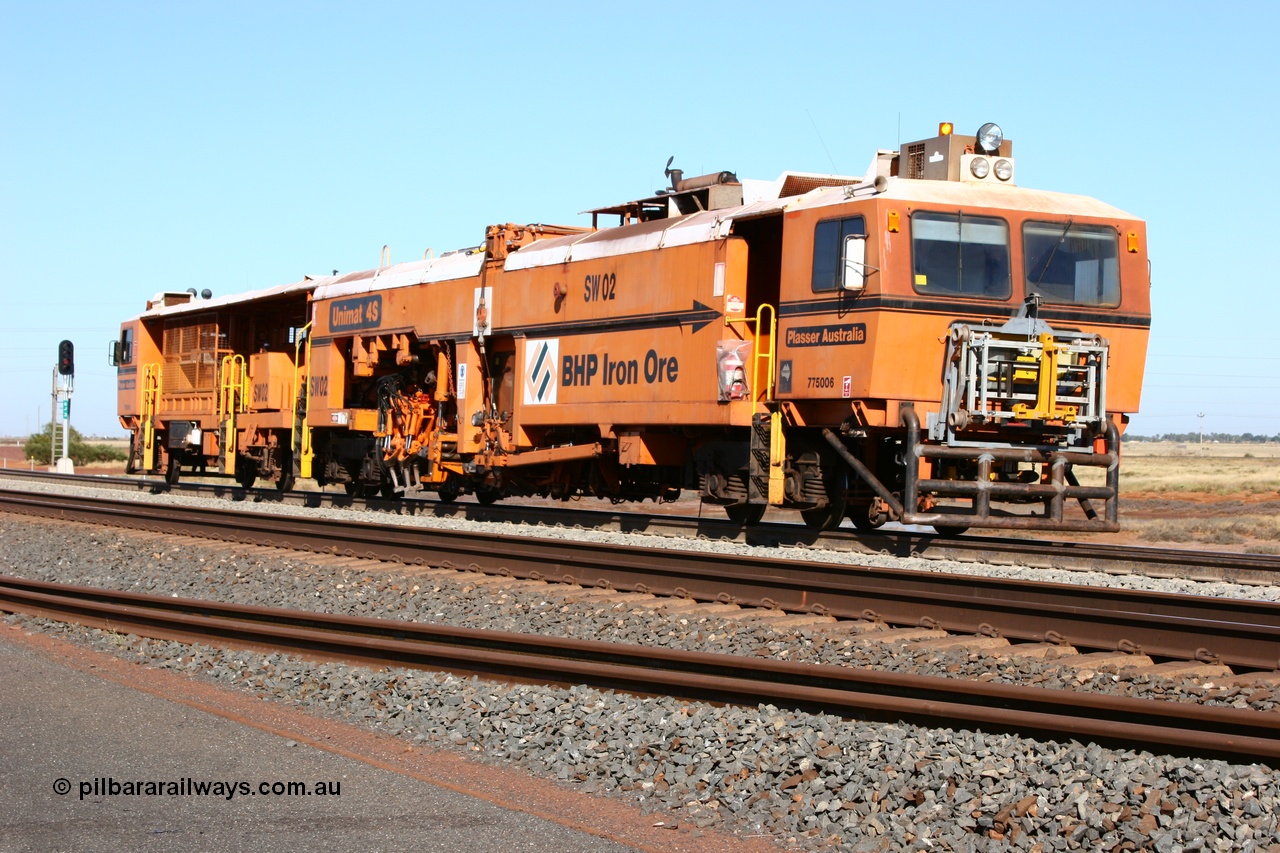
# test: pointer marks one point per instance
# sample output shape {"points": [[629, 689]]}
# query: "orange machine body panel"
{"points": [[886, 341]]}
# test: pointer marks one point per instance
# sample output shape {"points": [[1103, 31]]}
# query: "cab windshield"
{"points": [[1072, 263], [955, 254]]}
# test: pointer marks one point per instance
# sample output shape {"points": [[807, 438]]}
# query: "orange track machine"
{"points": [[929, 343]]}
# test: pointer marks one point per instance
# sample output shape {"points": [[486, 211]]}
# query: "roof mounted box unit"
{"points": [[938, 159]]}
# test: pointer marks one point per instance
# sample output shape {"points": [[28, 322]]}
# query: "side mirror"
{"points": [[854, 263], [113, 355]]}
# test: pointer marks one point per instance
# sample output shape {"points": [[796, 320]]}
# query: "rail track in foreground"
{"points": [[1199, 730], [1242, 634], [1156, 562]]}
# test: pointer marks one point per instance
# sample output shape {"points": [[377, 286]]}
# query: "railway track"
{"points": [[1180, 563], [1242, 634], [1229, 733]]}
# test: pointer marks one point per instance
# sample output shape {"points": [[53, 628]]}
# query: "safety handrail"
{"points": [[233, 398], [300, 439], [768, 356], [150, 397]]}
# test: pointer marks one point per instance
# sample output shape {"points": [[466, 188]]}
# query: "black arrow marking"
{"points": [[700, 316]]}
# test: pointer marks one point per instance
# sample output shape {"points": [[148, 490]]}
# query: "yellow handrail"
{"points": [[302, 442], [150, 395], [768, 356], [234, 386], [767, 317], [233, 398]]}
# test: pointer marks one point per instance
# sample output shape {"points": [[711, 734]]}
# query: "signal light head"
{"points": [[945, 128], [66, 358]]}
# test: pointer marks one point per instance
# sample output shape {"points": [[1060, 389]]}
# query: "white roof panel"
{"points": [[448, 267], [976, 194], [641, 237], [198, 305]]}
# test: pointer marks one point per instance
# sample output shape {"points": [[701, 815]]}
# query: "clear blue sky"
{"points": [[233, 146]]}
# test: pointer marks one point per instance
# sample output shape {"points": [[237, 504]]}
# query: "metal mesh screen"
{"points": [[190, 358], [915, 160]]}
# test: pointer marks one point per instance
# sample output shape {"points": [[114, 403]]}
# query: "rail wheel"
{"points": [[388, 491], [173, 473], [951, 529], [287, 479], [745, 514], [865, 517], [354, 490], [487, 496], [835, 479], [246, 473]]}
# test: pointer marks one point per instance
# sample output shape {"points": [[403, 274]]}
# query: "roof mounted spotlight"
{"points": [[989, 138]]}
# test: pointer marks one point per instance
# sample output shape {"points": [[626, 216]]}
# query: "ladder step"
{"points": [[758, 461]]}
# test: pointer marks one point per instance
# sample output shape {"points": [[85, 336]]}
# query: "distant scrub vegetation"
{"points": [[80, 451], [1219, 437]]}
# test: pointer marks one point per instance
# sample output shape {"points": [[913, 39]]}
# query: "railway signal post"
{"points": [[64, 377]]}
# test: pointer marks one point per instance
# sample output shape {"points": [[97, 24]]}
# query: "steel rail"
{"points": [[1183, 728], [1239, 633], [1190, 564]]}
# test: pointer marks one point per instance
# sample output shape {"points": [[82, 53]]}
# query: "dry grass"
{"points": [[1218, 475], [1181, 449], [1220, 496], [1214, 531], [1215, 469]]}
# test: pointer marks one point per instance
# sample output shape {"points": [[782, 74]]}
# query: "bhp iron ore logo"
{"points": [[540, 359]]}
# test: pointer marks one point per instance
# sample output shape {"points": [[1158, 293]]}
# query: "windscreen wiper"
{"points": [[1054, 251]]}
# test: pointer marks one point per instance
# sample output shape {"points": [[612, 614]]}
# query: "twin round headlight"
{"points": [[980, 167]]}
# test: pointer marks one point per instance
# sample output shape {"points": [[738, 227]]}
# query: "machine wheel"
{"points": [[173, 473], [388, 491], [287, 480], [246, 473], [745, 514], [355, 490], [861, 518], [487, 497], [836, 480]]}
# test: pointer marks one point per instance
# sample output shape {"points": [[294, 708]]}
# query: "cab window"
{"points": [[1072, 263], [828, 242], [955, 254], [125, 352]]}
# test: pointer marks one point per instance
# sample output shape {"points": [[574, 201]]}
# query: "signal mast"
{"points": [[64, 382]]}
